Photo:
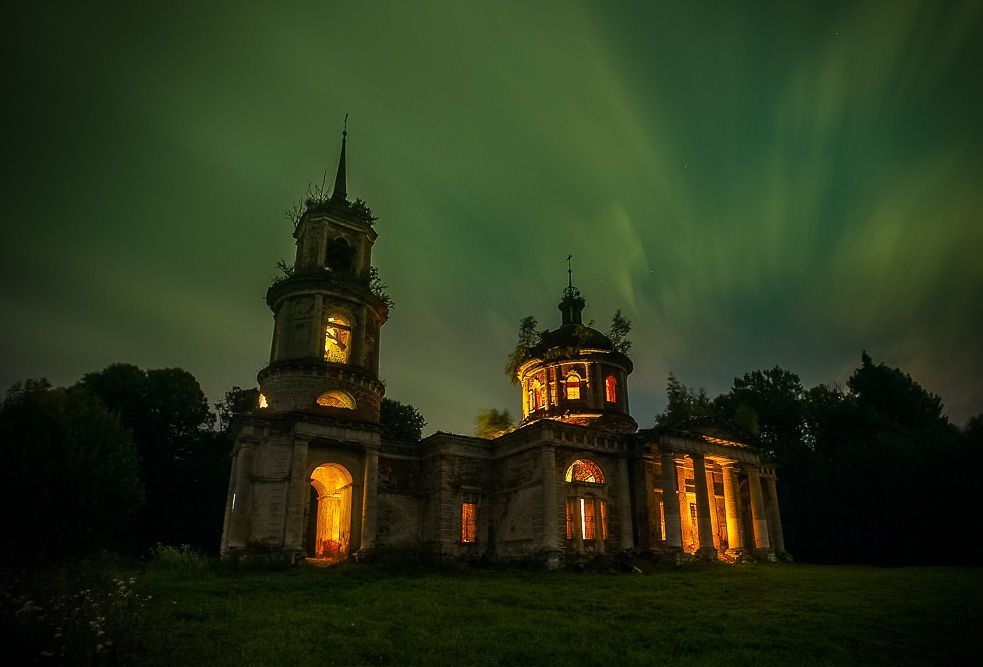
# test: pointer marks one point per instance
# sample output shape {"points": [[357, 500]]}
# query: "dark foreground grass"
{"points": [[699, 614]]}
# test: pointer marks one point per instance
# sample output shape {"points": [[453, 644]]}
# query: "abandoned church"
{"points": [[313, 476]]}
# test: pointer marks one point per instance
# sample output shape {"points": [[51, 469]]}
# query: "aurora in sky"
{"points": [[752, 185]]}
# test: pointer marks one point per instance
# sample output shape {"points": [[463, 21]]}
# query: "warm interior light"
{"points": [[336, 399], [469, 522], [585, 470], [337, 340], [332, 507], [573, 386], [611, 389]]}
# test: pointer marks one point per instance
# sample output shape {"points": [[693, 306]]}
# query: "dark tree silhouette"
{"points": [[685, 406], [854, 465], [618, 333], [401, 421], [529, 337], [184, 465], [69, 476]]}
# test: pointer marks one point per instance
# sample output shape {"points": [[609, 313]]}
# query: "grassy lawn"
{"points": [[699, 614]]}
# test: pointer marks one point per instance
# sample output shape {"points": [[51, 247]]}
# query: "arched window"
{"points": [[573, 386], [610, 389], [339, 256], [537, 395], [337, 339], [587, 512], [336, 399], [585, 470]]}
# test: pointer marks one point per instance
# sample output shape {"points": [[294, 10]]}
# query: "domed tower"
{"points": [[325, 351], [575, 375]]}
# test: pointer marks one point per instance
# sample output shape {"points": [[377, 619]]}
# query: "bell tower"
{"points": [[305, 460], [325, 351]]}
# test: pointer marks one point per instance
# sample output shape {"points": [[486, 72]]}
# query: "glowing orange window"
{"points": [[469, 522], [573, 386], [337, 339], [611, 389]]}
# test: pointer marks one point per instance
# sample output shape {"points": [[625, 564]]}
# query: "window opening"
{"points": [[537, 395], [573, 386], [585, 470], [469, 523], [339, 256], [337, 339], [611, 389], [469, 518], [336, 399]]}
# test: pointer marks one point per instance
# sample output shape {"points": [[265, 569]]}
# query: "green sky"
{"points": [[752, 184]]}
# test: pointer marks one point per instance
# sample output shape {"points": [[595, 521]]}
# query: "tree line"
{"points": [[870, 472], [123, 460]]}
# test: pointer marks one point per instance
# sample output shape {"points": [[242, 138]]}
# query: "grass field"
{"points": [[357, 614]]}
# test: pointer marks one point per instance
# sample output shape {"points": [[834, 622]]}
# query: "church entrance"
{"points": [[330, 512]]}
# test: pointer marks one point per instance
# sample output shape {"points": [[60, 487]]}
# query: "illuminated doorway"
{"points": [[330, 512]]}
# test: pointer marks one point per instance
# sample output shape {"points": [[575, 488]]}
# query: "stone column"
{"points": [[706, 549], [370, 498], [577, 517], [647, 517], [598, 525], [550, 530], [713, 511], [298, 491], [762, 545], [670, 503], [735, 546], [624, 506], [685, 511], [548, 393], [355, 515], [774, 516], [242, 511]]}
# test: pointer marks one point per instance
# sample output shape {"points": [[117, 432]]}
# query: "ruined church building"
{"points": [[313, 476]]}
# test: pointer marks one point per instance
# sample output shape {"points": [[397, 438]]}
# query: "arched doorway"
{"points": [[330, 512]]}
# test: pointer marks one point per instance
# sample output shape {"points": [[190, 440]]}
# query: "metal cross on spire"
{"points": [[569, 271]]}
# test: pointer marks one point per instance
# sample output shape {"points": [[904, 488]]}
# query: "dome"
{"points": [[575, 336]]}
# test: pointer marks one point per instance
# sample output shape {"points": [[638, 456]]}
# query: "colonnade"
{"points": [[763, 541]]}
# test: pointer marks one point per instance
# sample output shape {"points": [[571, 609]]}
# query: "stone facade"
{"points": [[312, 475]]}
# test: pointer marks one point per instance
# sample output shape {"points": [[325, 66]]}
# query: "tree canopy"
{"points": [[492, 423], [618, 333], [184, 464], [529, 337], [401, 421], [845, 457], [69, 479]]}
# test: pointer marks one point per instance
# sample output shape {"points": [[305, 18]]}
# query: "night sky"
{"points": [[785, 185]]}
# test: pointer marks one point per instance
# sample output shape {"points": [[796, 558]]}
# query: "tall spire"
{"points": [[572, 304], [340, 192]]}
